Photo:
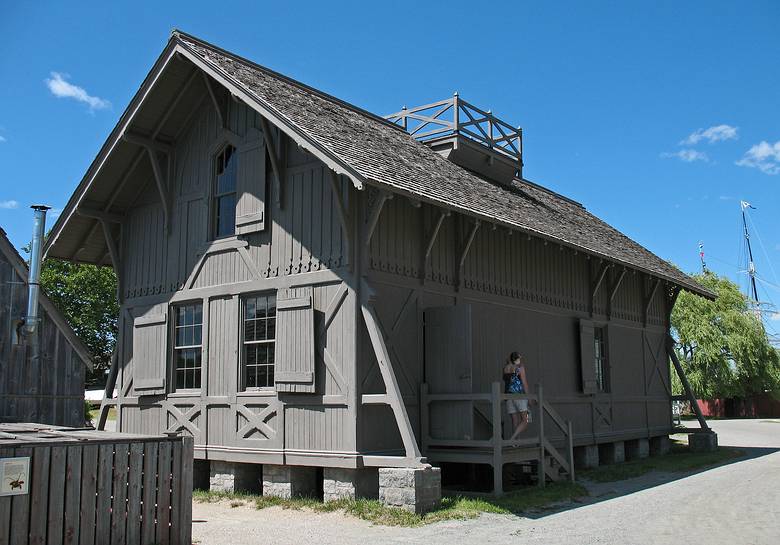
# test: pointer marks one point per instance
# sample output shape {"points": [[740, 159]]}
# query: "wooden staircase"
{"points": [[556, 457]]}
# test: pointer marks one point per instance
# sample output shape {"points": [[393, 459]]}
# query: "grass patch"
{"points": [[680, 459], [95, 413], [452, 507]]}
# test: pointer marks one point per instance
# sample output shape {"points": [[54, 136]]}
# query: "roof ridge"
{"points": [[178, 34]]}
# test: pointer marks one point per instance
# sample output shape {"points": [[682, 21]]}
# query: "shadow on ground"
{"points": [[604, 491]]}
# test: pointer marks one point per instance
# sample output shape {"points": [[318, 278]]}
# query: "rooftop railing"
{"points": [[455, 116]]}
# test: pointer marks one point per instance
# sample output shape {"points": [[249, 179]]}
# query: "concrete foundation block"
{"points": [[586, 457], [416, 489], [234, 477], [612, 453], [349, 484], [703, 442], [289, 481], [660, 445], [637, 449]]}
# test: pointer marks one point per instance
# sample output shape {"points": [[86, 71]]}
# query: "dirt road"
{"points": [[735, 503]]}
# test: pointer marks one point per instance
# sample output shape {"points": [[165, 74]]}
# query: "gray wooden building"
{"points": [[48, 389], [305, 284]]}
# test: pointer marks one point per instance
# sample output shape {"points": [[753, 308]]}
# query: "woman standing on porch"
{"points": [[515, 382]]}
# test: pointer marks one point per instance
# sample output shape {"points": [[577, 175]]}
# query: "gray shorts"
{"points": [[516, 406]]}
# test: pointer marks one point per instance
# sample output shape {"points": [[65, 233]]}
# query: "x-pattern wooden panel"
{"points": [[256, 421], [658, 357], [183, 420], [334, 307], [602, 414], [393, 338]]}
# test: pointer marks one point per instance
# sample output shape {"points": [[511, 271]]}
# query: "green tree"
{"points": [[86, 296], [722, 344]]}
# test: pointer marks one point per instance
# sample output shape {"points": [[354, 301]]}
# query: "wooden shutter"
{"points": [[588, 358], [250, 185], [294, 370], [150, 336]]}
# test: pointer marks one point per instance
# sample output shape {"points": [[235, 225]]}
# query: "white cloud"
{"points": [[687, 155], [8, 205], [2, 139], [61, 88], [763, 156], [775, 317], [716, 133]]}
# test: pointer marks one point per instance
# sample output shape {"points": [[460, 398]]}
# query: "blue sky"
{"points": [[608, 94]]}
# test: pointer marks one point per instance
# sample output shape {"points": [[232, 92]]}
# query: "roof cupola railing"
{"points": [[455, 117]]}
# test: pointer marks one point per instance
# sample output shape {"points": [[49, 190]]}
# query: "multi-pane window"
{"points": [[600, 361], [225, 192], [258, 340], [188, 341]]}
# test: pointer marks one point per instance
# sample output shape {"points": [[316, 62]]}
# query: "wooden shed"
{"points": [[306, 285], [49, 389]]}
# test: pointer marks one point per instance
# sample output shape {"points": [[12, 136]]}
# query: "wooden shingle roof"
{"points": [[375, 152]]}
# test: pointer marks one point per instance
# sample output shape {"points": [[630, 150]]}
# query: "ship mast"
{"points": [[752, 290]]}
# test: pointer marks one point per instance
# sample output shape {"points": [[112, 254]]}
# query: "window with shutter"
{"points": [[150, 336], [250, 185], [590, 383], [295, 341]]}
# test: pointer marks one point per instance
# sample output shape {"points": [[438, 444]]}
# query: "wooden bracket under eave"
{"points": [[614, 290], [113, 251], [373, 219], [432, 240], [344, 217], [160, 170], [649, 300], [465, 251], [274, 154], [219, 105], [595, 289]]}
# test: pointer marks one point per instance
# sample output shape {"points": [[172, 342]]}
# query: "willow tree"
{"points": [[722, 344]]}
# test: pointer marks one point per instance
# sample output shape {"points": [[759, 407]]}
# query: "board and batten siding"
{"points": [[49, 390], [303, 235], [526, 295], [300, 233]]}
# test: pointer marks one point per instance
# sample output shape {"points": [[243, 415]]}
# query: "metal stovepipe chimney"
{"points": [[31, 320]]}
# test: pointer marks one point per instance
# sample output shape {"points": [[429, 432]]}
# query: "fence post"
{"points": [[498, 439], [542, 472], [424, 418]]}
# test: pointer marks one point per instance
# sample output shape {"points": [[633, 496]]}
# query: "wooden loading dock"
{"points": [[303, 284]]}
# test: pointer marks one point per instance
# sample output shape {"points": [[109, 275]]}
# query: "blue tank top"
{"points": [[513, 384]]}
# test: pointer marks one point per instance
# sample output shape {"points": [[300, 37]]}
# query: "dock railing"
{"points": [[544, 414]]}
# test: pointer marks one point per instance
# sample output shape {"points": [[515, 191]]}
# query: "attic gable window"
{"points": [[224, 203]]}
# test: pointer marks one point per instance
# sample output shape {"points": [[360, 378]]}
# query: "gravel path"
{"points": [[735, 503]]}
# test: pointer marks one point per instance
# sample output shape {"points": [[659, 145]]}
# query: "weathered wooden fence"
{"points": [[98, 488]]}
